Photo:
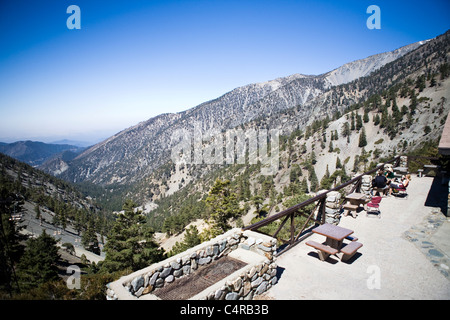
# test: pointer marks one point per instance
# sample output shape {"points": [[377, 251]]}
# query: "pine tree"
{"points": [[304, 186], [366, 116], [352, 121], [313, 158], [325, 182], [89, 239], [376, 119], [37, 210], [346, 130], [313, 180], [338, 163], [359, 122], [191, 239], [38, 263], [362, 138], [130, 243], [331, 148], [11, 247], [222, 205]]}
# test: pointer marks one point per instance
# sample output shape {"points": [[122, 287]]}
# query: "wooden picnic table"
{"points": [[334, 243], [335, 235], [355, 199]]}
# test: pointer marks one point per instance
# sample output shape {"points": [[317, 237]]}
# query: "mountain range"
{"points": [[136, 162], [35, 153], [135, 152]]}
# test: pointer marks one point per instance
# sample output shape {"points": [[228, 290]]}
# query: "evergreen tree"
{"points": [[433, 82], [257, 201], [362, 138], [325, 182], [444, 70], [130, 243], [420, 82], [38, 263], [331, 149], [346, 130], [191, 239], [89, 239], [366, 116], [376, 119], [313, 180], [359, 122], [37, 210], [222, 206], [11, 248], [304, 186], [313, 158], [413, 102], [396, 114], [352, 121], [338, 163]]}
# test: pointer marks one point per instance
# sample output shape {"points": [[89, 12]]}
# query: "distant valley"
{"points": [[36, 153]]}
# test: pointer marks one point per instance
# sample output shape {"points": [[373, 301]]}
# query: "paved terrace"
{"points": [[409, 247]]}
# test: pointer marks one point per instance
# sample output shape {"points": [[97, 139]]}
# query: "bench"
{"points": [[420, 173], [349, 250], [323, 250], [351, 238], [380, 191], [350, 207]]}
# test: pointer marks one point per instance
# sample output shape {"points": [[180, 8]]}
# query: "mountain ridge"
{"points": [[35, 153], [145, 146]]}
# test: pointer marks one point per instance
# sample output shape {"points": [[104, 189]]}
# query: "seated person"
{"points": [[400, 185], [390, 174], [380, 182]]}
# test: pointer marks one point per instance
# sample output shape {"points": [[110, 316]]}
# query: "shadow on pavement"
{"points": [[438, 194]]}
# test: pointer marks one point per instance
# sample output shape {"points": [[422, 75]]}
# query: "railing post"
{"points": [[358, 185], [291, 241], [322, 210]]}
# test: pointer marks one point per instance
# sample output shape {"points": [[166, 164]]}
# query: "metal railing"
{"points": [[317, 215]]}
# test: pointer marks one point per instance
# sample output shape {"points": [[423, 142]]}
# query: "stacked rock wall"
{"points": [[257, 280], [403, 161], [333, 209], [366, 185]]}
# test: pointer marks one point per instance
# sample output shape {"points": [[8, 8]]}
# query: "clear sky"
{"points": [[132, 60]]}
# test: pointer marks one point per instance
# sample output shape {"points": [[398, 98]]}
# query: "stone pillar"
{"points": [[332, 207], [366, 185]]}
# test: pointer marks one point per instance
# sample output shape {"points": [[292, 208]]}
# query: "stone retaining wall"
{"points": [[249, 283], [255, 279]]}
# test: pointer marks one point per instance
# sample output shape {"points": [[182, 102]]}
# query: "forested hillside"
{"points": [[399, 109]]}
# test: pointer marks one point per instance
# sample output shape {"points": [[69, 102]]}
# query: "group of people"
{"points": [[387, 182]]}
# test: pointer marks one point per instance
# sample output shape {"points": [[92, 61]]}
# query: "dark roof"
{"points": [[444, 143]]}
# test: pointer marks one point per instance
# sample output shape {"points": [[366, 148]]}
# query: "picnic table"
{"points": [[335, 235], [354, 201], [333, 245]]}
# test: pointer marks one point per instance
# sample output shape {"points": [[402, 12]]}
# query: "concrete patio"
{"points": [[405, 254]]}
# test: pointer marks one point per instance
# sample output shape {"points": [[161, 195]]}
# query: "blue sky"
{"points": [[132, 60]]}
